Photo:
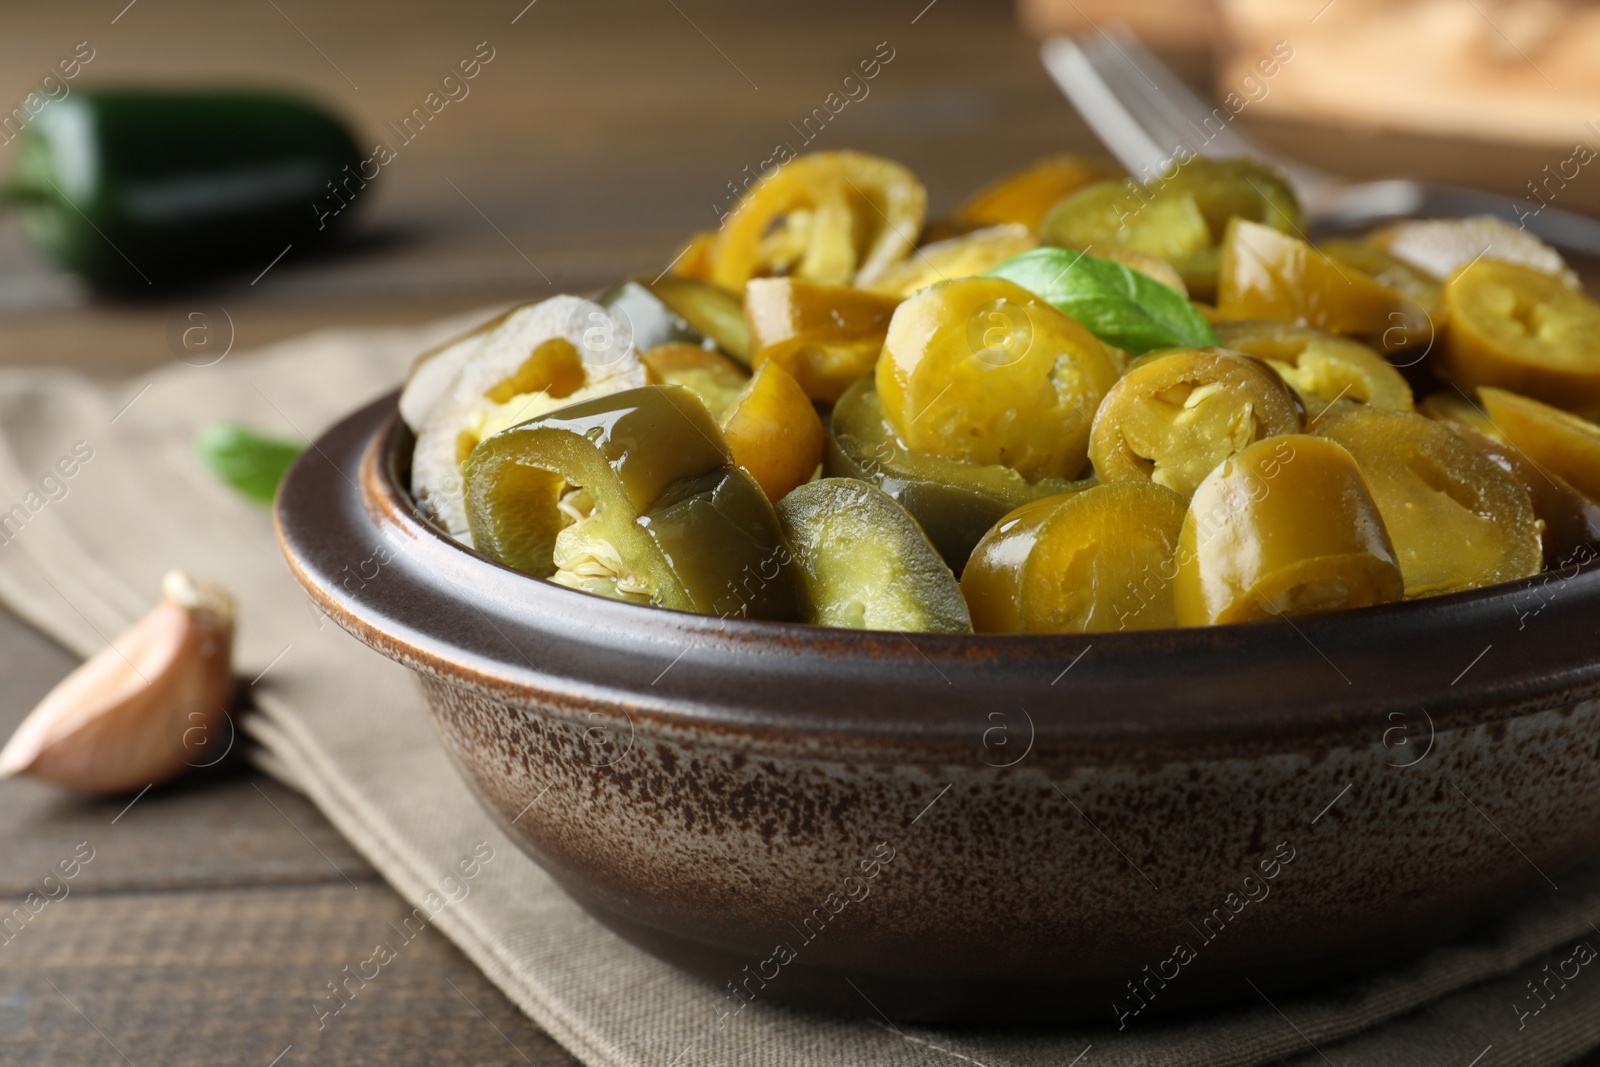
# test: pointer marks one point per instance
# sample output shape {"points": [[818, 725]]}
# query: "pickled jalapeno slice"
{"points": [[1520, 329], [1557, 440], [833, 218], [865, 563], [706, 373], [1571, 520], [1128, 217], [954, 257], [1266, 274], [1024, 197], [954, 500], [825, 336], [1319, 366], [980, 369], [1421, 310], [534, 360], [1454, 406], [632, 496], [1286, 526], [1227, 189], [1176, 415], [1180, 217], [1085, 562], [674, 308], [694, 258], [774, 432], [1457, 520]]}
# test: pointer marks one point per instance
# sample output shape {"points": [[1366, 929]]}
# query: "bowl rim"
{"points": [[440, 607]]}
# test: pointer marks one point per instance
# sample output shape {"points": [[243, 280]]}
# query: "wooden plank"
{"points": [[195, 979], [210, 830], [124, 340], [198, 979]]}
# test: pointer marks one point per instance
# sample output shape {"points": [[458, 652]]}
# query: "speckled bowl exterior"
{"points": [[986, 829]]}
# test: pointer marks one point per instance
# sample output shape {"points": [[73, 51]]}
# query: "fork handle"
{"points": [[1356, 206]]}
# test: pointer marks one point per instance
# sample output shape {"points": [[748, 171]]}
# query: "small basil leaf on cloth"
{"points": [[250, 462], [1114, 302]]}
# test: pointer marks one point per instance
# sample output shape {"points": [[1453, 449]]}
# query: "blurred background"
{"points": [[601, 134]]}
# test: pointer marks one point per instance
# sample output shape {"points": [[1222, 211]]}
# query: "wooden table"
{"points": [[215, 911]]}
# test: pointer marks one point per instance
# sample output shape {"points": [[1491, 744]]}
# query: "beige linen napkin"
{"points": [[84, 556]]}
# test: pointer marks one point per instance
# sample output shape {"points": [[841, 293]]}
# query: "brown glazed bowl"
{"points": [[993, 828]]}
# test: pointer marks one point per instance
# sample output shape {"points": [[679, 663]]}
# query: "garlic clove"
{"points": [[141, 709]]}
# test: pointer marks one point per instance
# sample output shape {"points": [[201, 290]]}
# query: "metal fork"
{"points": [[1146, 116]]}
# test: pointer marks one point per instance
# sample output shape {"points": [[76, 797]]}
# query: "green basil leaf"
{"points": [[1114, 302], [250, 462]]}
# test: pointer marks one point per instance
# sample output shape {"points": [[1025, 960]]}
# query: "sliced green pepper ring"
{"points": [[1422, 296], [954, 500], [1121, 214], [1081, 563], [1557, 440], [709, 309], [866, 564], [635, 496], [1321, 367], [1286, 526], [673, 309], [1519, 329], [1456, 520], [983, 370], [1179, 412], [1180, 217], [1022, 197], [826, 336], [705, 372], [1240, 188], [1266, 274], [834, 218], [1571, 520]]}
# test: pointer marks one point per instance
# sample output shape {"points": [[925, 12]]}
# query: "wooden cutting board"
{"points": [[1525, 71], [1522, 71], [1166, 24]]}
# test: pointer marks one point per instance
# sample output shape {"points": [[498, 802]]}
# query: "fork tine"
{"points": [[1217, 137], [1100, 107], [1142, 100], [1212, 134]]}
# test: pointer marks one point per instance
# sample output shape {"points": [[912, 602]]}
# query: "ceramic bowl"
{"points": [[985, 828]]}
